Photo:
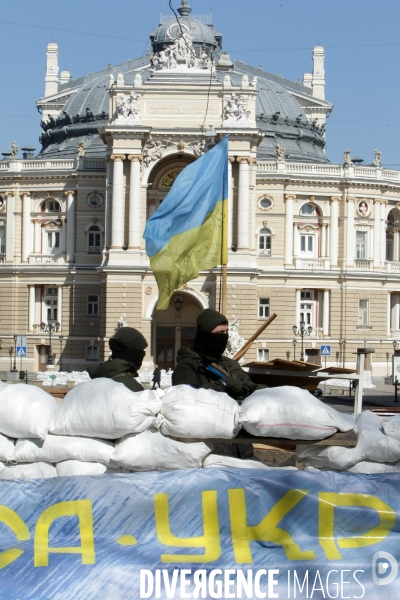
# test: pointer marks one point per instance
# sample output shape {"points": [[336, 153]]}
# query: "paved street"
{"points": [[381, 395]]}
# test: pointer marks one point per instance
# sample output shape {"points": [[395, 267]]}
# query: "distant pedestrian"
{"points": [[156, 377]]}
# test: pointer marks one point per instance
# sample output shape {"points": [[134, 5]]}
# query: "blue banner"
{"points": [[212, 533]]}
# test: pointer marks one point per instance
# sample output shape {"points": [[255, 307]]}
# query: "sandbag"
{"points": [[25, 411], [56, 448], [2, 467], [151, 451], [6, 448], [103, 408], [190, 413], [213, 461], [369, 467], [39, 470], [289, 412], [372, 444], [391, 426], [69, 468]]}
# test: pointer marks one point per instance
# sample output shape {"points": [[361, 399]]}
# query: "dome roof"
{"points": [[166, 33]]}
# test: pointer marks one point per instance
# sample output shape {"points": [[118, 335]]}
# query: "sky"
{"points": [[360, 37]]}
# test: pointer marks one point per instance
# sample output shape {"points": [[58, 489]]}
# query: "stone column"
{"points": [[134, 201], [26, 226], [289, 230], [70, 226], [396, 312], [377, 231], [383, 231], [325, 317], [395, 245], [59, 305], [334, 231], [10, 233], [243, 203], [37, 245], [295, 240], [32, 307], [63, 236], [107, 234], [350, 232], [297, 308], [323, 240], [117, 213], [389, 313], [231, 160]]}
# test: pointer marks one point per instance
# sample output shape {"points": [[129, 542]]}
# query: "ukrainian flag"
{"points": [[187, 233]]}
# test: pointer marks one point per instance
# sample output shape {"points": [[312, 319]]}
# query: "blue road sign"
{"points": [[21, 351], [325, 350]]}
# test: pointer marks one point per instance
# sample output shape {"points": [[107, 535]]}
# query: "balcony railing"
{"points": [[46, 259], [363, 264], [393, 266], [311, 264], [336, 171], [316, 332]]}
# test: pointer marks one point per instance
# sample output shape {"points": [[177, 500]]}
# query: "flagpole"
{"points": [[224, 254]]}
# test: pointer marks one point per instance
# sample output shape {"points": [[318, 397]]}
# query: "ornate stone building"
{"points": [[308, 239]]}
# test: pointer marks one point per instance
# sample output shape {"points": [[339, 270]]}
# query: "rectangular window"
{"points": [[361, 244], [93, 306], [50, 291], [51, 310], [307, 245], [2, 240], [262, 355], [92, 353], [53, 240], [363, 312], [263, 308]]}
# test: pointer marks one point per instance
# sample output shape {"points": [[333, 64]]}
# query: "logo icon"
{"points": [[384, 568]]}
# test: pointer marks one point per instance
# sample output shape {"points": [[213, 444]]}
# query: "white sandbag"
{"points": [[289, 412], [190, 413], [106, 409], [151, 451], [372, 444], [215, 461], [6, 448], [368, 467], [56, 448], [69, 468], [391, 426], [39, 470], [25, 411], [2, 467]]}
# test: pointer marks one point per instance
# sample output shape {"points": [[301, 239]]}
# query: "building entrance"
{"points": [[174, 328]]}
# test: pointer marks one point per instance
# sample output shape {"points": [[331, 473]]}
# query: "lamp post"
{"points": [[294, 342], [14, 369], [344, 342], [61, 349], [10, 352], [178, 302], [302, 331], [50, 328]]}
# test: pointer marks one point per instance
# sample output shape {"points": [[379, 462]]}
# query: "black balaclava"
{"points": [[128, 344], [210, 345]]}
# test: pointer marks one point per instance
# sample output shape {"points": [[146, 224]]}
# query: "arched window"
{"points": [[51, 206], [264, 242], [309, 210], [94, 240]]}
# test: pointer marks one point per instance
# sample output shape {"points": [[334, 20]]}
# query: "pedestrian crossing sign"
{"points": [[325, 350], [21, 351]]}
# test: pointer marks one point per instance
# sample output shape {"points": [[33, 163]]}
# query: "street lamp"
{"points": [[15, 355], [294, 342], [344, 342], [10, 352], [302, 332], [178, 302], [50, 328], [61, 349]]}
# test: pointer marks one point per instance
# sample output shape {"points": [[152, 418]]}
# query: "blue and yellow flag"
{"points": [[185, 235]]}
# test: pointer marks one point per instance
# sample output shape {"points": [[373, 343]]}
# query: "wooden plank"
{"points": [[347, 439], [255, 335]]}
